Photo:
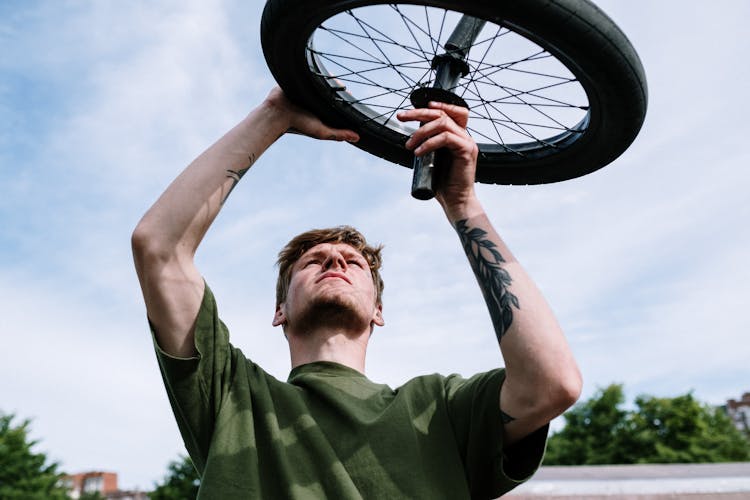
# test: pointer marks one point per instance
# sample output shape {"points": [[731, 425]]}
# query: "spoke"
{"points": [[390, 114], [417, 26], [373, 58], [516, 70], [405, 98], [531, 105], [507, 65], [440, 33], [329, 57], [561, 128], [532, 92], [505, 103], [418, 64], [429, 30], [387, 92], [508, 120], [536, 56], [518, 128], [521, 130], [374, 85], [496, 35], [494, 126], [484, 105], [503, 66], [386, 39], [367, 81], [394, 109], [415, 51], [489, 46], [490, 41], [474, 131], [404, 18], [390, 63]]}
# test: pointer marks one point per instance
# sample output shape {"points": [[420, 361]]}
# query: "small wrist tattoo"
{"points": [[236, 175]]}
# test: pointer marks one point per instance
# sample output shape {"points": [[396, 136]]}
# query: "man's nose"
{"points": [[334, 260]]}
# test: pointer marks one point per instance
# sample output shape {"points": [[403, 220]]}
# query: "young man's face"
{"points": [[331, 285]]}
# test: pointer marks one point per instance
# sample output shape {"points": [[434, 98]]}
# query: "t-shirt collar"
{"points": [[324, 368]]}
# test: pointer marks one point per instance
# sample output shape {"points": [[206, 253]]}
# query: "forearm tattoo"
{"points": [[493, 279], [236, 175]]}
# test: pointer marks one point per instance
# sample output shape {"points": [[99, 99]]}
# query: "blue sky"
{"points": [[103, 103]]}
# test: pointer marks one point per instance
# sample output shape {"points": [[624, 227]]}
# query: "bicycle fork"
{"points": [[449, 68]]}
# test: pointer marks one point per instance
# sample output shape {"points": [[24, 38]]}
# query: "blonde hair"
{"points": [[340, 234]]}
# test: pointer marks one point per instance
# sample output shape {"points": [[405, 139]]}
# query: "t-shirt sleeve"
{"points": [[196, 386], [474, 410]]}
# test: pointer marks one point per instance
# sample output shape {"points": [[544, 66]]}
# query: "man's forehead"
{"points": [[322, 248]]}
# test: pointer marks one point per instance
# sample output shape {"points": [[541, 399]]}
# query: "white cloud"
{"points": [[87, 376], [164, 100]]}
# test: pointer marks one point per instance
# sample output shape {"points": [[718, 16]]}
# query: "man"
{"points": [[329, 432]]}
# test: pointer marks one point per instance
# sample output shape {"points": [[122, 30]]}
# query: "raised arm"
{"points": [[165, 240], [542, 378]]}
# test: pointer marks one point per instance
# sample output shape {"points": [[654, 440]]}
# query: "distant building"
{"points": [[105, 483], [739, 412], [91, 482]]}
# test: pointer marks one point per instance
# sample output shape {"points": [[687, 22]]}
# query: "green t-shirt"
{"points": [[329, 432]]}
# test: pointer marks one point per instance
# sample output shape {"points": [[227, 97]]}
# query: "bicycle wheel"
{"points": [[555, 89]]}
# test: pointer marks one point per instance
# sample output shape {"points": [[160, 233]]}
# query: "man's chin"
{"points": [[333, 312]]}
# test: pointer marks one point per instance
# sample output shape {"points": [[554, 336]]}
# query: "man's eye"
{"points": [[355, 262]]}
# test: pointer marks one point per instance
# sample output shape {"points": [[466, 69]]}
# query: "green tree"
{"points": [[658, 430], [593, 431], [180, 483], [24, 474], [681, 430]]}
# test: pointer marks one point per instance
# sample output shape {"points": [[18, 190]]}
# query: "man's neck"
{"points": [[329, 345]]}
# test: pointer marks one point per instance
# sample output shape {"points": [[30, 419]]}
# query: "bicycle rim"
{"points": [[523, 100]]}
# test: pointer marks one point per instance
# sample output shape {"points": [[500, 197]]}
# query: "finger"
{"points": [[459, 114], [419, 114], [321, 131], [314, 128], [337, 134], [441, 124], [455, 143]]}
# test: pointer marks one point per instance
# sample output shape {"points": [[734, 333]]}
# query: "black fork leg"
{"points": [[449, 68]]}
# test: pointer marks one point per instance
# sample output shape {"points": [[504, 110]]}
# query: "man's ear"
{"points": [[279, 318], [377, 317]]}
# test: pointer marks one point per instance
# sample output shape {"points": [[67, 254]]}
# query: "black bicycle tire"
{"points": [[576, 32]]}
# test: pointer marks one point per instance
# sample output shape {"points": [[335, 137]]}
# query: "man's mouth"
{"points": [[331, 274]]}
